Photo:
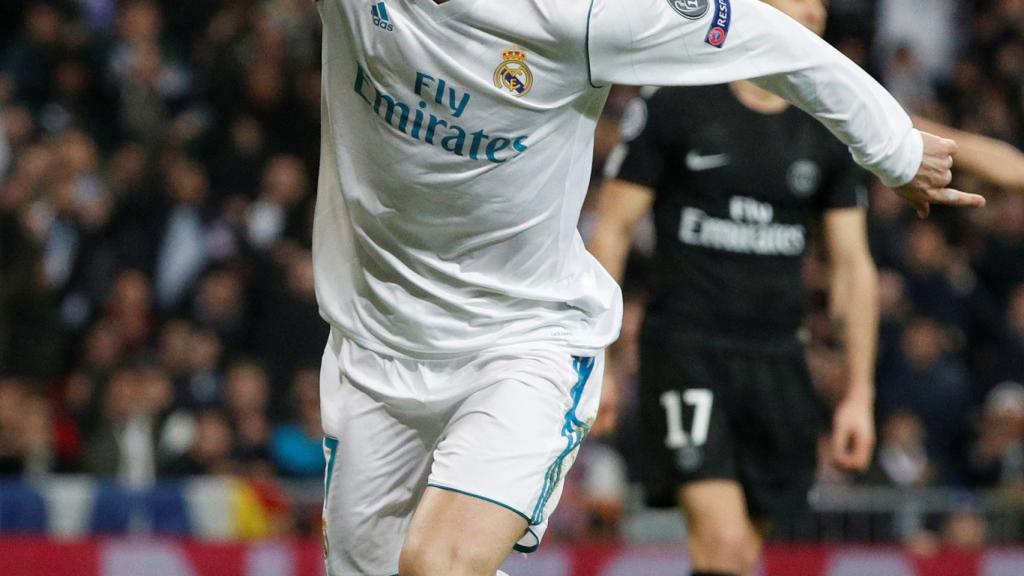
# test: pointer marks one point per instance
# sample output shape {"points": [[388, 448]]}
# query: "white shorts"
{"points": [[503, 426]]}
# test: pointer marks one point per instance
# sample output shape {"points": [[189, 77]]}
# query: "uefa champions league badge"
{"points": [[513, 75], [719, 31]]}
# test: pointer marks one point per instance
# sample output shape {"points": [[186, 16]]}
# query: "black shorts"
{"points": [[709, 412]]}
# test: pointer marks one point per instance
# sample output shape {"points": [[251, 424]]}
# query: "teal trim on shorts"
{"points": [[332, 447], [574, 431], [479, 497]]}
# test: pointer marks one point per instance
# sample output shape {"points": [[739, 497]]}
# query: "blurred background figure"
{"points": [[902, 457], [930, 384], [995, 455], [296, 443]]}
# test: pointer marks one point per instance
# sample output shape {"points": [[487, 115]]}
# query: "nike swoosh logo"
{"points": [[696, 162]]}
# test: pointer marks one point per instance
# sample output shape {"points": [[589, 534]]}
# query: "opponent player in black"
{"points": [[727, 405], [736, 177]]}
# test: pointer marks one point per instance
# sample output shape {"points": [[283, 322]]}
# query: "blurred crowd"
{"points": [[158, 163], [156, 193]]}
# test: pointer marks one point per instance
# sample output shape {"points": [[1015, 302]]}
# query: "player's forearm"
{"points": [[854, 306], [610, 245], [643, 42], [620, 207], [992, 160], [847, 100]]}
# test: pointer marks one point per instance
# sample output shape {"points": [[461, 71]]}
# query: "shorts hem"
{"points": [[708, 477], [528, 549], [479, 497], [664, 496]]}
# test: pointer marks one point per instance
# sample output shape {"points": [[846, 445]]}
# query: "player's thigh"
{"points": [[511, 443], [377, 465], [459, 535]]}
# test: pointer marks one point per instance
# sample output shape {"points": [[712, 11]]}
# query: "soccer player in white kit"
{"points": [[468, 322]]}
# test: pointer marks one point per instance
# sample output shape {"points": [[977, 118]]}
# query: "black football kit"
{"points": [[725, 390]]}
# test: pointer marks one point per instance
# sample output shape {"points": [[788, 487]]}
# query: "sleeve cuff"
{"points": [[901, 167]]}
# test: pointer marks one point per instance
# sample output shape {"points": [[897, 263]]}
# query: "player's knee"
{"points": [[419, 559], [422, 559], [725, 547]]}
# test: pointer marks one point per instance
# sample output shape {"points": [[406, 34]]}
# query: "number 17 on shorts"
{"points": [[687, 445]]}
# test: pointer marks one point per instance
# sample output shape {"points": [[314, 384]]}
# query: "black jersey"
{"points": [[737, 192]]}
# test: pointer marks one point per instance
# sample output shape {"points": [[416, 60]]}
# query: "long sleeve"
{"points": [[699, 42]]}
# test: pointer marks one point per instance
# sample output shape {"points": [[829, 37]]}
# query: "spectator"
{"points": [[907, 79], [278, 211], [247, 396], [1012, 353], [211, 450], [902, 457], [38, 443], [996, 456], [297, 445], [998, 264], [27, 443], [130, 311], [927, 382], [289, 333], [103, 353], [182, 252], [32, 58], [220, 308], [27, 337], [925, 31], [124, 445], [12, 400], [937, 281]]}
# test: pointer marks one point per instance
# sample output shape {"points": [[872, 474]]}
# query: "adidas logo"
{"points": [[380, 17]]}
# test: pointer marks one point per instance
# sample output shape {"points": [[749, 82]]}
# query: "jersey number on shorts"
{"points": [[701, 400]]}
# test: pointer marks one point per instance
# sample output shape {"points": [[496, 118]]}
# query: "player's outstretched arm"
{"points": [[992, 160], [693, 42]]}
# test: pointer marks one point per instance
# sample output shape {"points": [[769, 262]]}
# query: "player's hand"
{"points": [[608, 413], [936, 172], [853, 434]]}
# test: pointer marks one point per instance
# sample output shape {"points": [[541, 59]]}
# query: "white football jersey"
{"points": [[457, 143]]}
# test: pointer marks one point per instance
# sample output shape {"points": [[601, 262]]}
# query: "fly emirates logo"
{"points": [[749, 230], [443, 129]]}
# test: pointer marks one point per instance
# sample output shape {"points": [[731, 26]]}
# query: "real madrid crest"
{"points": [[513, 75]]}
